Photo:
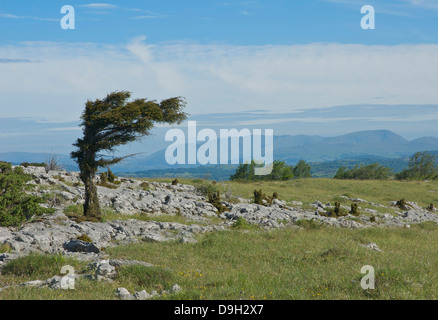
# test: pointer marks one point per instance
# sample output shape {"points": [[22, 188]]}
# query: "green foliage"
{"points": [[280, 171], [144, 186], [242, 224], [37, 266], [422, 166], [401, 203], [33, 164], [138, 277], [112, 122], [373, 171], [302, 170], [5, 248], [74, 210], [206, 188], [16, 206], [84, 237], [215, 199], [111, 176], [354, 210], [337, 211], [259, 196], [309, 224]]}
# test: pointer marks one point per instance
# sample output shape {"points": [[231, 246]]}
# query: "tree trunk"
{"points": [[91, 205]]}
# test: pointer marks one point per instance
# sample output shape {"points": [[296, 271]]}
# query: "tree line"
{"points": [[280, 171], [421, 166]]}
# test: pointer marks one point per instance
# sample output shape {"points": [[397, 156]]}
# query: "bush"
{"points": [[111, 176], [337, 211], [16, 206], [84, 238], [144, 186], [33, 164], [215, 200], [354, 211], [372, 171], [242, 224], [258, 197], [206, 188]]}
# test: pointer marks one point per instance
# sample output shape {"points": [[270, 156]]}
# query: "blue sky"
{"points": [[231, 57], [236, 22]]}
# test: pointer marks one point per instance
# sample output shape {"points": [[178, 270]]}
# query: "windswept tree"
{"points": [[114, 121], [422, 165]]}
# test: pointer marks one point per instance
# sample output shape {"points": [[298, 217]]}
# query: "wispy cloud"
{"points": [[281, 78], [426, 4], [10, 16], [99, 6], [14, 60]]}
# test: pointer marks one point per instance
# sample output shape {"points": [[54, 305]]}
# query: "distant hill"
{"points": [[17, 158], [326, 154], [372, 143]]}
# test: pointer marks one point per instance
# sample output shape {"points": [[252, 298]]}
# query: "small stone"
{"points": [[176, 288], [123, 294], [142, 295]]}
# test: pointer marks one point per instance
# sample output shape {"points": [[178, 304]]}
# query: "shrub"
{"points": [[111, 176], [144, 186], [206, 188], [309, 224], [258, 197], [372, 171], [53, 163], [33, 164], [401, 203], [337, 211], [242, 224], [215, 200], [84, 238], [16, 206], [354, 211]]}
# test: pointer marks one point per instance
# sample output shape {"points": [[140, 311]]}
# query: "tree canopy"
{"points": [[280, 172], [362, 172], [112, 122], [422, 165]]}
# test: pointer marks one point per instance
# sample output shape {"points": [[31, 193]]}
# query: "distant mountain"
{"points": [[372, 144]]}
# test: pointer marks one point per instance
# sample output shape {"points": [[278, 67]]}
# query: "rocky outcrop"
{"points": [[58, 234]]}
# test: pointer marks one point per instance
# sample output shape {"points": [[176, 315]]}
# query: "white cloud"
{"points": [[10, 16], [214, 78], [99, 5]]}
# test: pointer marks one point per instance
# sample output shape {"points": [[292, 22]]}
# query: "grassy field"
{"points": [[330, 190], [312, 262]]}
